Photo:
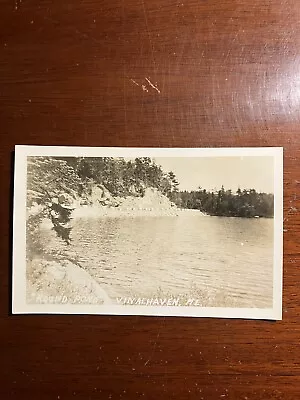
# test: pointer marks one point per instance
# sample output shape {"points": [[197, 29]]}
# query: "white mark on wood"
{"points": [[132, 80], [142, 86], [153, 86], [17, 4], [149, 34], [155, 344]]}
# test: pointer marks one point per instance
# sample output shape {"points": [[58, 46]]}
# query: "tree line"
{"points": [[246, 203], [50, 176]]}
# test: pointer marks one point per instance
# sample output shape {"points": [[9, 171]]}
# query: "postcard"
{"points": [[193, 232]]}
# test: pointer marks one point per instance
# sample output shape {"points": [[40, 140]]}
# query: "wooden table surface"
{"points": [[227, 73]]}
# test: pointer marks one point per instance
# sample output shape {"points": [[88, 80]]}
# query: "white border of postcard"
{"points": [[19, 305]]}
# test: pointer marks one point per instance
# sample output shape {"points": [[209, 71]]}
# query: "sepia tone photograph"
{"points": [[192, 232]]}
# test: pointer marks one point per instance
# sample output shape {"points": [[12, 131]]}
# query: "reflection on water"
{"points": [[223, 261]]}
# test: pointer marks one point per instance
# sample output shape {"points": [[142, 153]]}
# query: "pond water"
{"points": [[226, 262]]}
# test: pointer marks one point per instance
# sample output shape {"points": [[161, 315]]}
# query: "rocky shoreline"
{"points": [[59, 281]]}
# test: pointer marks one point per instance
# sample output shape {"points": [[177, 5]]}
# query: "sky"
{"points": [[250, 172]]}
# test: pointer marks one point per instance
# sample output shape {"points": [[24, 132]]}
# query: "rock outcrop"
{"points": [[102, 203], [62, 282]]}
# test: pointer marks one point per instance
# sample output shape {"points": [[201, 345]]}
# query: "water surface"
{"points": [[222, 261]]}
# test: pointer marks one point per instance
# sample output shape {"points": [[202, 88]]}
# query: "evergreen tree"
{"points": [[244, 203]]}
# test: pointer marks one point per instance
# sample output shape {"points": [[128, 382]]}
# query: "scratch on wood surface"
{"points": [[153, 350], [153, 86], [149, 35], [155, 343], [124, 99], [293, 209], [132, 80], [144, 87]]}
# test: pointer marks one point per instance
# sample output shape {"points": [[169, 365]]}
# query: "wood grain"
{"points": [[227, 72]]}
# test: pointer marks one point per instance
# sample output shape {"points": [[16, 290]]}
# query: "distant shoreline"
{"points": [[103, 211], [97, 211]]}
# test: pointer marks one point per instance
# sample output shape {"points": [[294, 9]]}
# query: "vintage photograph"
{"points": [[195, 232]]}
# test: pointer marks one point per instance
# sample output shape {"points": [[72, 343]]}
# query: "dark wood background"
{"points": [[228, 74]]}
